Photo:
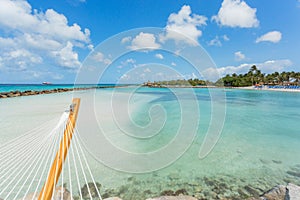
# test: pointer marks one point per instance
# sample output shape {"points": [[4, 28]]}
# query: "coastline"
{"points": [[241, 88], [267, 89], [18, 93]]}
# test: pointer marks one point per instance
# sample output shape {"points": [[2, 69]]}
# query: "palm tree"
{"points": [[253, 70]]}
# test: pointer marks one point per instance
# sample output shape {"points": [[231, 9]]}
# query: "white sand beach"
{"points": [[269, 89]]}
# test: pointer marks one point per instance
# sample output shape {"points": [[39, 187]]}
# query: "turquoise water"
{"points": [[258, 148]]}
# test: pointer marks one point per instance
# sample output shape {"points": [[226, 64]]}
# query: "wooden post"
{"points": [[55, 171]]}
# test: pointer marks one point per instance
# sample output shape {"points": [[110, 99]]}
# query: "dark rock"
{"points": [[253, 192], [296, 169], [105, 195], [174, 176], [242, 193], [208, 181], [181, 191], [298, 165], [181, 197], [108, 193], [93, 190], [147, 192], [167, 193], [31, 92], [277, 161], [123, 189], [223, 186], [297, 174], [264, 161]]}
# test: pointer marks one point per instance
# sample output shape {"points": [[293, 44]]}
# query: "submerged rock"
{"points": [[181, 192], [277, 161], [93, 190], [167, 193], [293, 173], [252, 191], [181, 197], [263, 161], [60, 193]]}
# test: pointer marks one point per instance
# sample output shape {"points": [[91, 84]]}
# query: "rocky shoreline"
{"points": [[39, 92], [279, 192]]}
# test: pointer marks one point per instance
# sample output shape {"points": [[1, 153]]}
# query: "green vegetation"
{"points": [[192, 82], [179, 82], [252, 77]]}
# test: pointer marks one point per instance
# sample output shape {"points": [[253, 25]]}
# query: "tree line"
{"points": [[252, 77], [255, 76]]}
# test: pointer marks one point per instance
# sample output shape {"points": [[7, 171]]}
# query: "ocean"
{"points": [[145, 142]]}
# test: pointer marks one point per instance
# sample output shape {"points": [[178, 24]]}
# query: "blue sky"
{"points": [[50, 40]]}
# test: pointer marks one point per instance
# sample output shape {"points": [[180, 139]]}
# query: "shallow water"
{"points": [[259, 144]]}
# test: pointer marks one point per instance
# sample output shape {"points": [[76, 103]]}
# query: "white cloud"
{"points": [[177, 52], [215, 42], [90, 47], [183, 26], [128, 61], [239, 56], [266, 67], [225, 38], [190, 76], [159, 56], [144, 41], [236, 13], [126, 39], [43, 35], [18, 15], [273, 36], [125, 77], [173, 64], [19, 59], [99, 57], [66, 57]]}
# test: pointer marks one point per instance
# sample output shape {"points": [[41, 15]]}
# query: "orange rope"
{"points": [[55, 171]]}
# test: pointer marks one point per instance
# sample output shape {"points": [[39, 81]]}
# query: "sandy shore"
{"points": [[268, 89]]}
